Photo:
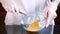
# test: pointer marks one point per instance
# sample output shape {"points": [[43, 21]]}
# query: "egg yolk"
{"points": [[34, 26]]}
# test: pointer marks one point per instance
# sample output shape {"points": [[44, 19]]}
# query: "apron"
{"points": [[30, 7]]}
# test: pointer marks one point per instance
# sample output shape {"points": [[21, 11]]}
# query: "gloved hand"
{"points": [[10, 6], [51, 12]]}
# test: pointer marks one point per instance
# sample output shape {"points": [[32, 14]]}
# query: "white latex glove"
{"points": [[10, 6], [51, 12]]}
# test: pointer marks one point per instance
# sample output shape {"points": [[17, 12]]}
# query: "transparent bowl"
{"points": [[32, 22], [34, 27]]}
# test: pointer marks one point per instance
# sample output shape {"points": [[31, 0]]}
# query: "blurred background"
{"points": [[3, 14]]}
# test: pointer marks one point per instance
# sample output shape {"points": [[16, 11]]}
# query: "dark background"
{"points": [[3, 14]]}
